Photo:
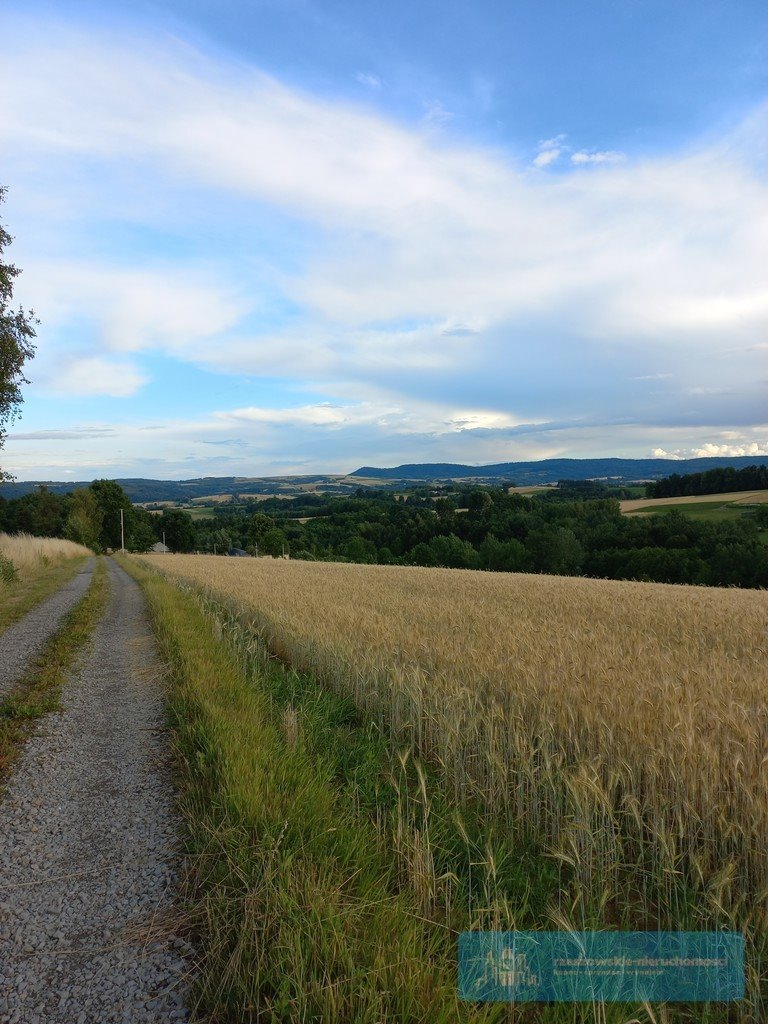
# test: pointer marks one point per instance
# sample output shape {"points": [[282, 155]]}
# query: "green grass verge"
{"points": [[39, 691], [20, 596]]}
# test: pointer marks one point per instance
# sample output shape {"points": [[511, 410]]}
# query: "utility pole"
{"points": [[122, 533], [164, 552]]}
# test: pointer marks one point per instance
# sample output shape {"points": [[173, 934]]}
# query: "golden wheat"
{"points": [[28, 553], [627, 722]]}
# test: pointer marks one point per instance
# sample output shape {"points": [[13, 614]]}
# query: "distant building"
{"points": [[160, 548]]}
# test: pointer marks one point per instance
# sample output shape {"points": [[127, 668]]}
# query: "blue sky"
{"points": [[296, 236]]}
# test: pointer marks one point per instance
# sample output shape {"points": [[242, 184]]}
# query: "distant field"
{"points": [[200, 511], [705, 511], [625, 723], [533, 489], [712, 500]]}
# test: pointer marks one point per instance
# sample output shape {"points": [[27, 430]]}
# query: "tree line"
{"points": [[88, 515], [465, 528], [488, 528], [712, 481]]}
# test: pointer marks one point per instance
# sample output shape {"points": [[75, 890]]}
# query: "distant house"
{"points": [[237, 553], [160, 548]]}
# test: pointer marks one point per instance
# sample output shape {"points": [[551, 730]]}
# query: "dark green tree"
{"points": [[178, 529], [141, 535], [17, 329], [273, 542], [41, 513], [111, 499]]}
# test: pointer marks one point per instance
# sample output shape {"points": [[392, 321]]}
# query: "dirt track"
{"points": [[88, 844]]}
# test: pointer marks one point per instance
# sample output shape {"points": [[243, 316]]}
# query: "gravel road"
{"points": [[21, 642], [88, 845]]}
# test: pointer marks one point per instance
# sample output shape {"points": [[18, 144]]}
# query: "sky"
{"points": [[296, 236]]}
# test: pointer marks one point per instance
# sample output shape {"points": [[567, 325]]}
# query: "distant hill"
{"points": [[546, 471], [139, 489]]}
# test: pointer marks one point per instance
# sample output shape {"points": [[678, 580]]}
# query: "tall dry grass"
{"points": [[626, 722], [27, 554]]}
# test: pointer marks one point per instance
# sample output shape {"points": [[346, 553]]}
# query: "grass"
{"points": [[39, 691], [31, 569], [621, 726]]}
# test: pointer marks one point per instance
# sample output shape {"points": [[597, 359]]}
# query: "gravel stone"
{"points": [[88, 844], [24, 639]]}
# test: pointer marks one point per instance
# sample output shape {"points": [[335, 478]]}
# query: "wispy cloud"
{"points": [[62, 435], [436, 114], [606, 156], [93, 375], [368, 80], [550, 150]]}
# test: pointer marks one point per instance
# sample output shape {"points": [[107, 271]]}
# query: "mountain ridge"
{"points": [[542, 471]]}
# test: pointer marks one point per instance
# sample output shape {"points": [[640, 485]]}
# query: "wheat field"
{"points": [[625, 722], [27, 553]]}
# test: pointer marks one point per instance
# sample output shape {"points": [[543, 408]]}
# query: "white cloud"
{"points": [[418, 418], [161, 307], [550, 150], [709, 450], [729, 450], [661, 453], [94, 375], [547, 157], [608, 156]]}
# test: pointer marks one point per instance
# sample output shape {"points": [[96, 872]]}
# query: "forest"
{"points": [[573, 530], [713, 481]]}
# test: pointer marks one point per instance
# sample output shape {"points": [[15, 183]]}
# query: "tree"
{"points": [[41, 513], [16, 334], [478, 500], [141, 535], [178, 529], [258, 526], [273, 543], [111, 499], [85, 519], [358, 549]]}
